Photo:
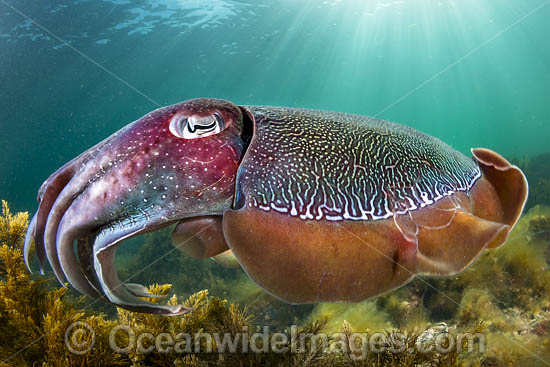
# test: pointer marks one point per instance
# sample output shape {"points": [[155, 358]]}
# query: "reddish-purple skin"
{"points": [[139, 179], [307, 167], [147, 162]]}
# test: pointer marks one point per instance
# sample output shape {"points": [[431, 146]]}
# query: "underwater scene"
{"points": [[279, 183]]}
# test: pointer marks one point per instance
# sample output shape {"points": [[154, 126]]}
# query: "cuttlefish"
{"points": [[315, 206]]}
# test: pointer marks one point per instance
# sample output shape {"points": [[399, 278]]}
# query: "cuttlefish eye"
{"points": [[192, 127]]}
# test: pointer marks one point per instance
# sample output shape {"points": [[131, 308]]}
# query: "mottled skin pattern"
{"points": [[334, 166], [314, 206], [140, 179]]}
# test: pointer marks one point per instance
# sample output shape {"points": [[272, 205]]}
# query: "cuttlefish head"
{"points": [[176, 162]]}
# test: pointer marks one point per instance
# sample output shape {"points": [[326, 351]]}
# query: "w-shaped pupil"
{"points": [[193, 129]]}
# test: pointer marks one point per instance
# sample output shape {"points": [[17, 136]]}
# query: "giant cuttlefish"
{"points": [[315, 206]]}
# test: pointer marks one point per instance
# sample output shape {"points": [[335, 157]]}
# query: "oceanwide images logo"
{"points": [[80, 339]]}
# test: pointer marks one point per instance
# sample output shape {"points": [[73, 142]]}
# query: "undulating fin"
{"points": [[316, 206], [355, 260], [501, 194], [450, 249]]}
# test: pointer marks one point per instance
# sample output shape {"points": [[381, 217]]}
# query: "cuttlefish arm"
{"points": [[315, 206], [174, 163]]}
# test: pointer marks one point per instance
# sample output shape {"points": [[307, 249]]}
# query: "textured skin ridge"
{"points": [[320, 165]]}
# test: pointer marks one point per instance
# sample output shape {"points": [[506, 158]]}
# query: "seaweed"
{"points": [[507, 289], [537, 170], [35, 317], [157, 259]]}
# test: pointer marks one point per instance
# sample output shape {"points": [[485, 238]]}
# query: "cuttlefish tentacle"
{"points": [[69, 231], [139, 290], [29, 240], [52, 243], [59, 251], [315, 206], [48, 194], [140, 179], [117, 292], [85, 260]]}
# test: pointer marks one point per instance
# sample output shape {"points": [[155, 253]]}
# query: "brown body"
{"points": [[314, 261], [314, 205]]}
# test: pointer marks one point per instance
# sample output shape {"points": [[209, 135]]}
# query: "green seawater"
{"points": [[471, 72], [474, 73]]}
